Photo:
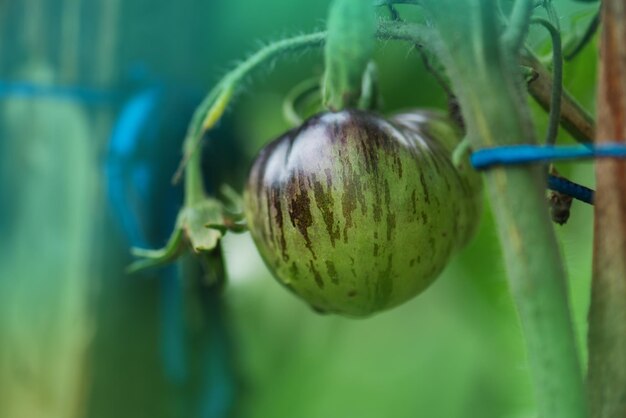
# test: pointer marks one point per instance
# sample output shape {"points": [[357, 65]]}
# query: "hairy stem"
{"points": [[214, 105], [493, 102], [607, 315]]}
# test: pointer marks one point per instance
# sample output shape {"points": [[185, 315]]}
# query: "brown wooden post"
{"points": [[607, 316]]}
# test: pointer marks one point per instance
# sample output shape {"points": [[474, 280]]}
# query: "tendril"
{"points": [[302, 95], [557, 77]]}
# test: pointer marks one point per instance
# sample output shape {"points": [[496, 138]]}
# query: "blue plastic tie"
{"points": [[575, 190], [525, 154]]}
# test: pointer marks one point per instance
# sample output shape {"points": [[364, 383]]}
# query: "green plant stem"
{"points": [[348, 50], [217, 100], [517, 29], [606, 379], [402, 31], [194, 184], [493, 102], [553, 16], [557, 80]]}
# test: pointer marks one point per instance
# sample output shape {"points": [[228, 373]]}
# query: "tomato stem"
{"points": [[496, 114], [194, 184], [348, 50], [218, 99]]}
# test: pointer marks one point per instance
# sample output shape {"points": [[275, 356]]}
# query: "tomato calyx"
{"points": [[199, 228]]}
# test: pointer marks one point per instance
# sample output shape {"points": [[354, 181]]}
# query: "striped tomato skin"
{"points": [[357, 214]]}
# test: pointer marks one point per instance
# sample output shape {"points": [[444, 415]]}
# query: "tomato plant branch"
{"points": [[606, 379], [214, 105], [493, 101], [576, 120]]}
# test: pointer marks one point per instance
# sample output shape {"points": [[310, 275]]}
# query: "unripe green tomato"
{"points": [[357, 214]]}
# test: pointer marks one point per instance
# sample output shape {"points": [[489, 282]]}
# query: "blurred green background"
{"points": [[80, 338]]}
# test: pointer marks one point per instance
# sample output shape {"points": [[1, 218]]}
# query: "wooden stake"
{"points": [[607, 315]]}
